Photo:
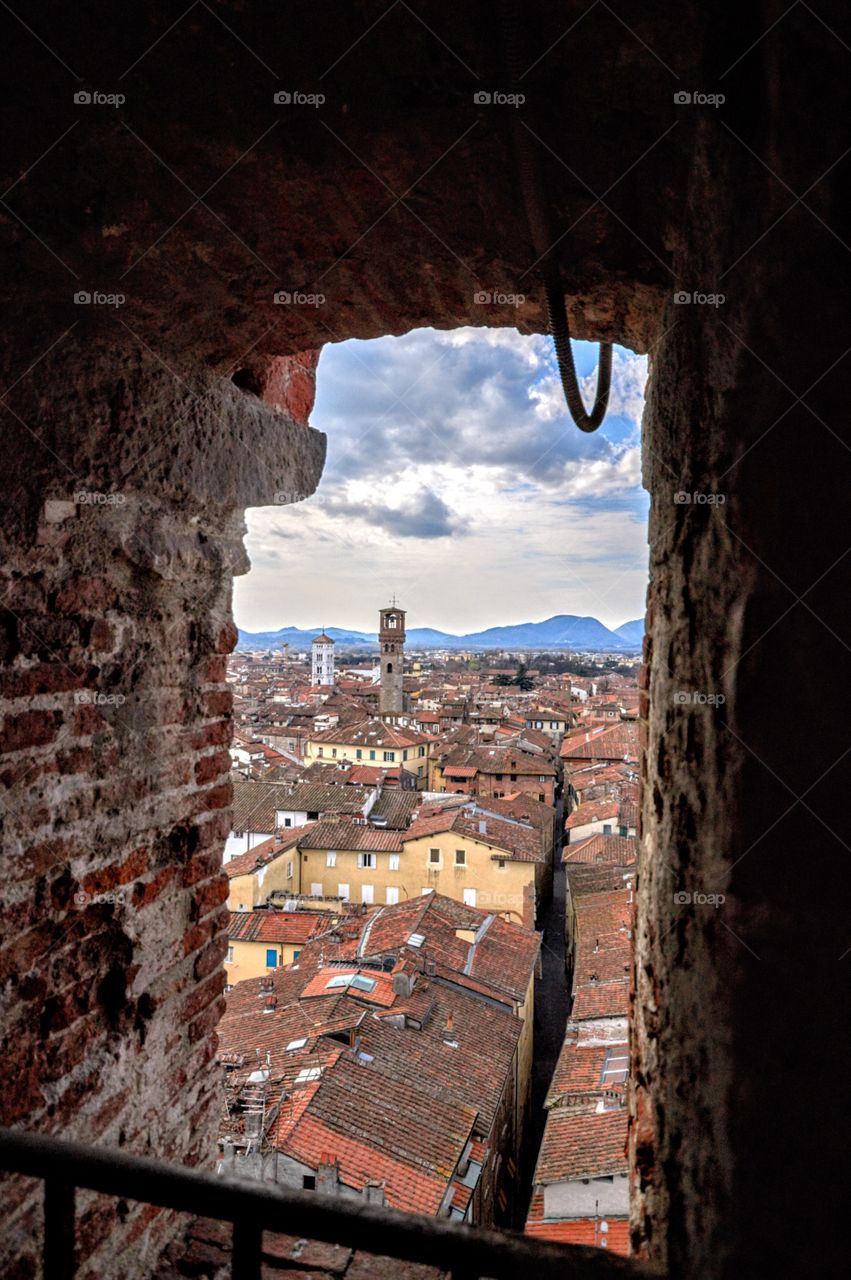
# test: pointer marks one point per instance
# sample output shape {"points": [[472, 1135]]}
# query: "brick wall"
{"points": [[116, 723]]}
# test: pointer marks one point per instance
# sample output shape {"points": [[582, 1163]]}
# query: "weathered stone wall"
{"points": [[739, 1000], [118, 559]]}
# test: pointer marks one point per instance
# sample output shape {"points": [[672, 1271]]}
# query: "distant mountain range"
{"points": [[564, 631]]}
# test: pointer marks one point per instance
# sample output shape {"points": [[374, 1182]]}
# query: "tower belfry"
{"points": [[391, 642]]}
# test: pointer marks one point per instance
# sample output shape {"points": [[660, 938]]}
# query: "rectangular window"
{"points": [[434, 856], [460, 857], [320, 751], [288, 822], [367, 894], [404, 755], [296, 955], [372, 755], [334, 752], [392, 896], [289, 871], [368, 860], [394, 862], [358, 754], [230, 954], [390, 755], [501, 863], [607, 828], [469, 897], [308, 1182], [271, 958], [422, 751], [316, 889], [331, 858], [343, 891]]}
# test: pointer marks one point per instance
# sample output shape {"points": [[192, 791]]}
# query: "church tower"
{"points": [[391, 642], [322, 660]]}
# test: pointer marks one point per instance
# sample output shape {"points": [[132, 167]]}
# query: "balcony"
{"points": [[252, 1209]]}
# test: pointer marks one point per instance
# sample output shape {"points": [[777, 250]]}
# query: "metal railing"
{"points": [[466, 1253]]}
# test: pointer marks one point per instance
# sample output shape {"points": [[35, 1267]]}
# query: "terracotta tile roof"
{"points": [[254, 805], [372, 733], [500, 961], [586, 1231], [588, 1071], [275, 926], [585, 1144], [620, 850], [620, 742], [316, 797], [603, 957], [369, 986], [406, 1187], [597, 877], [350, 836], [268, 851], [396, 806], [513, 840], [593, 811]]}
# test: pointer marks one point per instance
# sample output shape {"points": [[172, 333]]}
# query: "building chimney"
{"points": [[483, 827], [403, 983], [373, 1192], [328, 1175]]}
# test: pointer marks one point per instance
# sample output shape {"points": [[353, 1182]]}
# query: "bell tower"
{"points": [[391, 643]]}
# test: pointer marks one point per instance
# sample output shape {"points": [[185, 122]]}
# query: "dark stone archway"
{"points": [[136, 433]]}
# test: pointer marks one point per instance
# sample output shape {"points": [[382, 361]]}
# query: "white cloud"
{"points": [[456, 478]]}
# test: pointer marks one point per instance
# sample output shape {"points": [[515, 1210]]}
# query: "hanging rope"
{"points": [[540, 230]]}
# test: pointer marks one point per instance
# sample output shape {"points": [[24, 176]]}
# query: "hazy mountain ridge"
{"points": [[563, 631]]}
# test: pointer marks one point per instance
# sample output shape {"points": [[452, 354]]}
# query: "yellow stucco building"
{"points": [[373, 742]]}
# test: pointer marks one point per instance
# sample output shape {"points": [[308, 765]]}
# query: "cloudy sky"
{"points": [[456, 479]]}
